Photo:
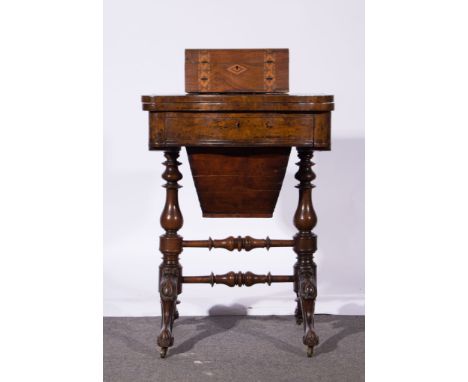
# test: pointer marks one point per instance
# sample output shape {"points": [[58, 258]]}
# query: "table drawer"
{"points": [[223, 129]]}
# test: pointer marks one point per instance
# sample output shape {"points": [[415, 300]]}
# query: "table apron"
{"points": [[169, 129]]}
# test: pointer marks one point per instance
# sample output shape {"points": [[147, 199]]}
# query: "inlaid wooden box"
{"points": [[237, 70]]}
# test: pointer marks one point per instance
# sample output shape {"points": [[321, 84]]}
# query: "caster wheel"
{"points": [[310, 351], [163, 352], [298, 321]]}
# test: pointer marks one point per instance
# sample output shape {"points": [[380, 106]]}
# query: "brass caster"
{"points": [[310, 351], [163, 352]]}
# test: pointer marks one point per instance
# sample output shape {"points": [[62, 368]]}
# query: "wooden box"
{"points": [[237, 70]]}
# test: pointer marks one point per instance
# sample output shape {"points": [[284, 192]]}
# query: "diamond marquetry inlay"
{"points": [[237, 69]]}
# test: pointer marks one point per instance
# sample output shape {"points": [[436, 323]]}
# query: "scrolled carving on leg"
{"points": [[307, 287], [168, 284], [307, 295], [168, 293]]}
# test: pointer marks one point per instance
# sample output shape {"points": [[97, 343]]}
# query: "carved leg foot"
{"points": [[308, 293], [168, 291]]}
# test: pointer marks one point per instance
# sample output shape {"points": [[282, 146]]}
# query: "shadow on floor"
{"points": [[347, 328], [205, 327], [210, 326], [233, 314], [223, 318]]}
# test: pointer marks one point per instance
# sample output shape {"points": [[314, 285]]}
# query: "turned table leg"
{"points": [[305, 244], [170, 271]]}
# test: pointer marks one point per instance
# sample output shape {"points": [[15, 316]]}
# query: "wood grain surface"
{"points": [[236, 70]]}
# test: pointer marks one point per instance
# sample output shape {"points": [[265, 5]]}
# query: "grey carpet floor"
{"points": [[234, 348]]}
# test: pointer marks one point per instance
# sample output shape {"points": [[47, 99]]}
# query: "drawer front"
{"points": [[223, 129]]}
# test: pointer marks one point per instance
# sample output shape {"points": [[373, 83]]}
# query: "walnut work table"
{"points": [[238, 148]]}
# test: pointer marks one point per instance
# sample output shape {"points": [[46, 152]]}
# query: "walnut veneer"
{"points": [[238, 147]]}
